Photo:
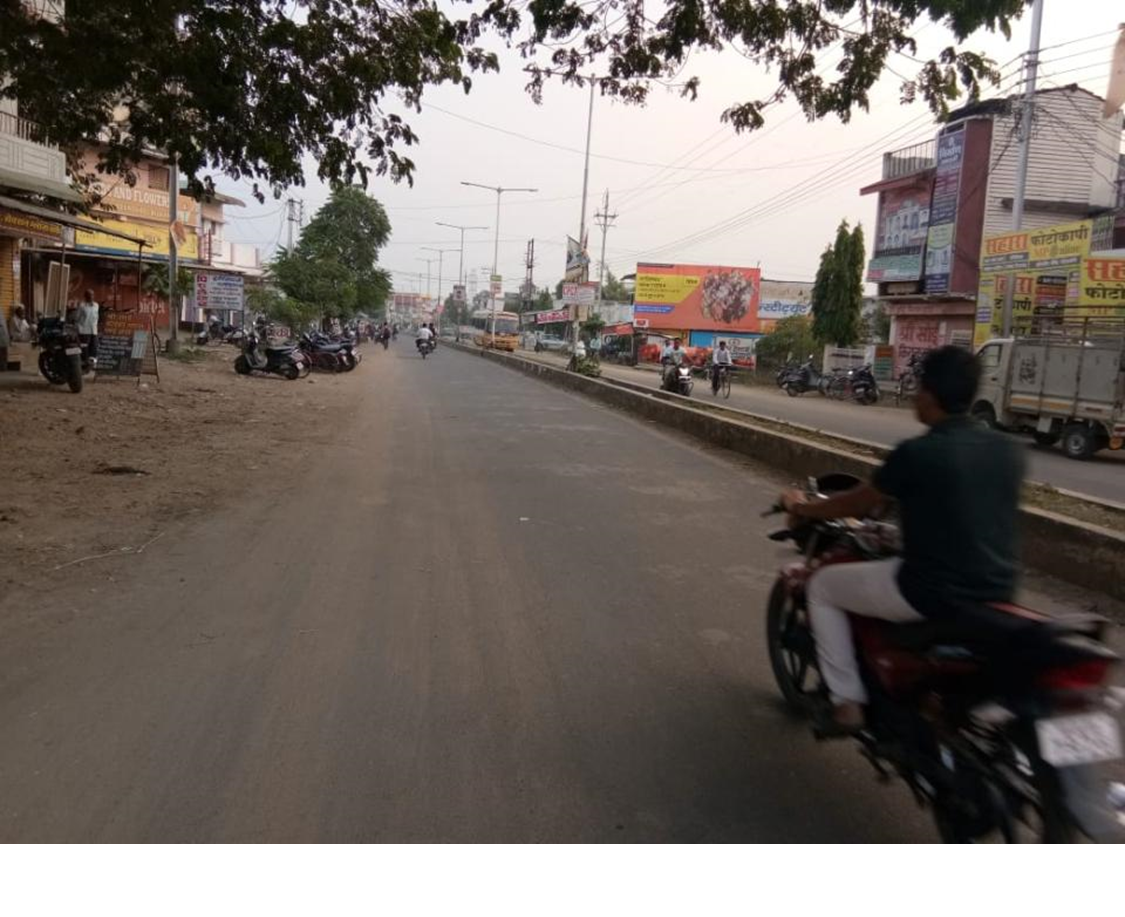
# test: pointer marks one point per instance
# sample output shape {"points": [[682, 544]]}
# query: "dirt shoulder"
{"points": [[109, 469]]}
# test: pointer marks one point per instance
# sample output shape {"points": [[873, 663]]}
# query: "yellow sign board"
{"points": [[155, 237], [666, 288], [1062, 244], [25, 224], [1101, 286]]}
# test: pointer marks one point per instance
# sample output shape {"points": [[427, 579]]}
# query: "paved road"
{"points": [[486, 610], [1102, 477]]}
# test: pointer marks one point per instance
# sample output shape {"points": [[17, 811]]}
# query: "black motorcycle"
{"points": [[286, 360], [805, 378], [425, 346], [864, 388], [62, 356]]}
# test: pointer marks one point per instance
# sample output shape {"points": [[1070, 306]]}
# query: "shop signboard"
{"points": [[156, 239], [126, 346], [699, 297], [554, 315], [741, 346], [782, 299], [900, 240], [218, 291], [579, 294], [577, 261], [943, 211], [15, 223], [1101, 287], [883, 362], [458, 292]]}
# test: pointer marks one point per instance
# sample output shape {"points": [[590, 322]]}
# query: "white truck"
{"points": [[1065, 385]]}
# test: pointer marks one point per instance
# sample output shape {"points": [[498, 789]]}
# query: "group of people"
{"points": [[427, 333], [673, 355], [85, 315]]}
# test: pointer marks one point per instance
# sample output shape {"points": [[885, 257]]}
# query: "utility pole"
{"points": [[529, 273], [605, 220], [585, 189], [173, 259], [461, 260], [1031, 72], [496, 244], [441, 253], [294, 213], [428, 261]]}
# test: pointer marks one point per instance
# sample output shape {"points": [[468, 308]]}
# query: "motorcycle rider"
{"points": [[957, 486], [720, 357], [672, 356], [424, 335]]}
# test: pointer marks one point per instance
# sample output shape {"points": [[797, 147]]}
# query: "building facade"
{"points": [[937, 201]]}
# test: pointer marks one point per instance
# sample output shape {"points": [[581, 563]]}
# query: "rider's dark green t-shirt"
{"points": [[958, 487]]}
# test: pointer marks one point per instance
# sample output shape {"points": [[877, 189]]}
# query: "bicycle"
{"points": [[721, 384]]}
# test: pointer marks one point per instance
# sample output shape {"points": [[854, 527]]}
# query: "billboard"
{"points": [[783, 299], [943, 211], [218, 291], [579, 294], [698, 297], [900, 240]]}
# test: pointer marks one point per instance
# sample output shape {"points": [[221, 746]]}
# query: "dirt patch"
{"points": [[103, 471]]}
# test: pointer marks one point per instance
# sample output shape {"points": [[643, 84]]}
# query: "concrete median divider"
{"points": [[1076, 552]]}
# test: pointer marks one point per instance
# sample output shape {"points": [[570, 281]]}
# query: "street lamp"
{"points": [[428, 261], [461, 262], [440, 253], [496, 243]]}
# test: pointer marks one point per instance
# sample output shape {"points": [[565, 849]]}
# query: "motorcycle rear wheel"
{"points": [[791, 649], [792, 389], [242, 365]]}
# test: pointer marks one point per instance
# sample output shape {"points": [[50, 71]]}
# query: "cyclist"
{"points": [[719, 357]]}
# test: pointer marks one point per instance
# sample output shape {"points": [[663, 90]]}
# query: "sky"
{"points": [[674, 172]]}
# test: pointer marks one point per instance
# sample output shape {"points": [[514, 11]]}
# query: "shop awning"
{"points": [[48, 187], [64, 219]]}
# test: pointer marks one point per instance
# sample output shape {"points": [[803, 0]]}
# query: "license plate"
{"points": [[299, 365], [1115, 442], [1080, 739], [73, 351]]}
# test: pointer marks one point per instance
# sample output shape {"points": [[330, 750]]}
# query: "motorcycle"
{"points": [[62, 357], [864, 389], [677, 379], [999, 720], [326, 354], [908, 381], [286, 360], [805, 378], [425, 347]]}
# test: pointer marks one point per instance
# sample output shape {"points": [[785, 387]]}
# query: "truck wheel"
{"points": [[1078, 441], [1047, 439], [984, 414]]}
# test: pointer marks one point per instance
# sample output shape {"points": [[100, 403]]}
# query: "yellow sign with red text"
{"points": [[155, 237]]}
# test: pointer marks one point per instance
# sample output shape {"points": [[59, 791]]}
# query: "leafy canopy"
{"points": [[250, 87], [837, 294], [790, 340]]}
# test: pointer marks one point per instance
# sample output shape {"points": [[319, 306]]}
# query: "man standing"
{"points": [[88, 325]]}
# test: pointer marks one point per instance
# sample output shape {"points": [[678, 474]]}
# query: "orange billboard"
{"points": [[698, 297]]}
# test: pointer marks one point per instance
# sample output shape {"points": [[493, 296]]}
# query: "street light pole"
{"points": [[461, 261], [428, 261], [441, 252], [496, 242]]}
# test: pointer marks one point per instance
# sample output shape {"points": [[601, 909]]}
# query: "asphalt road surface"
{"points": [[1102, 477], [486, 610]]}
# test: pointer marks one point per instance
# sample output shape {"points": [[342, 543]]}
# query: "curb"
{"points": [[1075, 552]]}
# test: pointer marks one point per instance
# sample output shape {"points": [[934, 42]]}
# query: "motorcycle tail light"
{"points": [[1090, 673]]}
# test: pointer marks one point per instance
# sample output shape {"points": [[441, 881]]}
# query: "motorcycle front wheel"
{"points": [[242, 365], [792, 389], [791, 647], [47, 368]]}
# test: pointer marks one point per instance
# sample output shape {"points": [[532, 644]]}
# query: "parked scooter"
{"points": [[62, 357], [286, 360], [864, 388], [805, 378]]}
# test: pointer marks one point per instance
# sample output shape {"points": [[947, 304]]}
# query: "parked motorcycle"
{"points": [[863, 386], [805, 378], [62, 357], [911, 376], [286, 360], [999, 719], [327, 355]]}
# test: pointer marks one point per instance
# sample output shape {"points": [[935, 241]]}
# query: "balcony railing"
{"points": [[15, 126], [909, 160]]}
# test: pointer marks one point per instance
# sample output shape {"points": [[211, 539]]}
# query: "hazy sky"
{"points": [[713, 174]]}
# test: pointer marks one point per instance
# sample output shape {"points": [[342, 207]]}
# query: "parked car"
{"points": [[550, 342]]}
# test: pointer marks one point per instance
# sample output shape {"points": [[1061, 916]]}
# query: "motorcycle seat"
{"points": [[991, 624]]}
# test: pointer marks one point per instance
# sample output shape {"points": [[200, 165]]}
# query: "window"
{"points": [[158, 178], [990, 357]]}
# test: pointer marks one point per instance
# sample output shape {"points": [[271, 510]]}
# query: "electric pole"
{"points": [[528, 277], [294, 213], [605, 220], [441, 253], [585, 188], [1031, 72], [428, 261], [461, 260]]}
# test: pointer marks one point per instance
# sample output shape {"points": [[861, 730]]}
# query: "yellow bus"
{"points": [[496, 329]]}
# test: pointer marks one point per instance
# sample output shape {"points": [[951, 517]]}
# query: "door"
{"points": [[991, 389]]}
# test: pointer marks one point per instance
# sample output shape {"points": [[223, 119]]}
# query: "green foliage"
{"points": [[544, 300], [791, 340], [252, 88], [613, 290], [593, 325], [332, 272], [876, 327], [155, 281], [837, 294], [280, 309], [586, 366]]}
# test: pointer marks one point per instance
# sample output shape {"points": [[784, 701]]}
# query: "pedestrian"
{"points": [[18, 328], [88, 325]]}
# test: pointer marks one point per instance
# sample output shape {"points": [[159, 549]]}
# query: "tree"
{"points": [[333, 272], [837, 294], [790, 340], [155, 281], [613, 290], [279, 308], [544, 300], [253, 87], [875, 327]]}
